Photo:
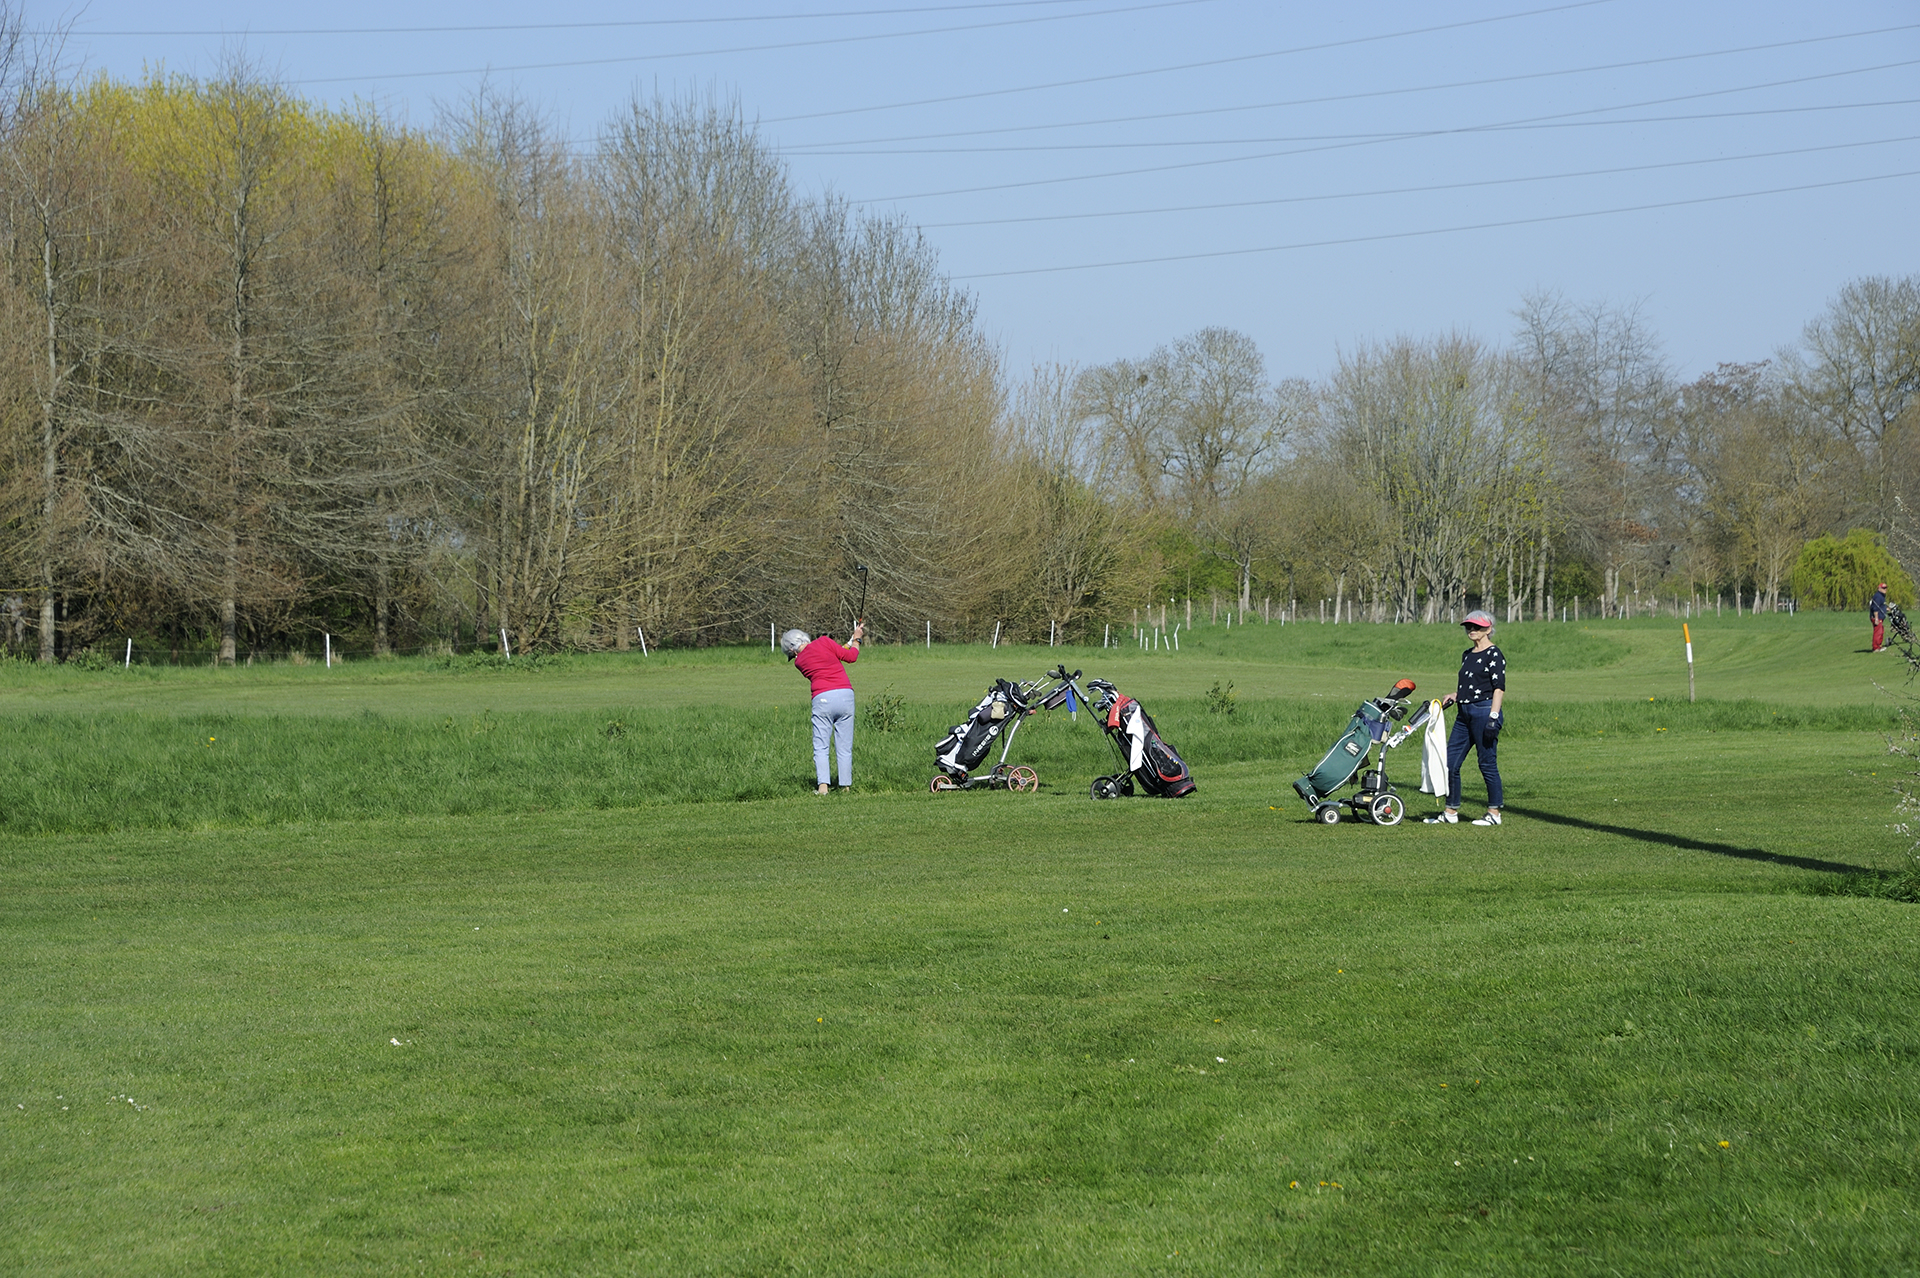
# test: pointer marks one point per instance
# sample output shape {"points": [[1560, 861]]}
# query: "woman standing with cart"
{"points": [[1479, 694], [824, 662]]}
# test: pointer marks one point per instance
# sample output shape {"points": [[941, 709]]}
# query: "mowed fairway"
{"points": [[357, 1025]]}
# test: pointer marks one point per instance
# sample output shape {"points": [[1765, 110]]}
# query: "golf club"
{"points": [[860, 613]]}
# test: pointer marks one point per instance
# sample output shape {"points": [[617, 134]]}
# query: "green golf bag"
{"points": [[1367, 726]]}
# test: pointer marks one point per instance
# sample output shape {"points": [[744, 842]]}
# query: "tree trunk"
{"points": [[1542, 609], [230, 589]]}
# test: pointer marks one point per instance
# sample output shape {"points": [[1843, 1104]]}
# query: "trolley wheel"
{"points": [[1105, 788], [1388, 809], [942, 782], [1327, 814], [1023, 778]]}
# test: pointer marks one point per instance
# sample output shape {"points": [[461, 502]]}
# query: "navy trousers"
{"points": [[1471, 729]]}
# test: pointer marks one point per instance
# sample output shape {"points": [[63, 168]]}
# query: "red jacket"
{"points": [[822, 661]]}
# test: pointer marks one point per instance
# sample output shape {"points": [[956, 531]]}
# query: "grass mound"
{"points": [[68, 773]]}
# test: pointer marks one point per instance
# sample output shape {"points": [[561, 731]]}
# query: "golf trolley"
{"points": [[1902, 628], [999, 715], [1372, 725], [1145, 756]]}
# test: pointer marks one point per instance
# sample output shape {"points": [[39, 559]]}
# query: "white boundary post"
{"points": [[1687, 634], [129, 662], [929, 636], [642, 632], [329, 652], [505, 646], [996, 635]]}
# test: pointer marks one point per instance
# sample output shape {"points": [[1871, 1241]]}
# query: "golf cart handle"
{"points": [[1060, 672]]}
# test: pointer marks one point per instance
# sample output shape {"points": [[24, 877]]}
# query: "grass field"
{"points": [[416, 970]]}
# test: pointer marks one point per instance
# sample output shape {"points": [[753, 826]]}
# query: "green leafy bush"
{"points": [[885, 710], [1842, 574], [1220, 700]]}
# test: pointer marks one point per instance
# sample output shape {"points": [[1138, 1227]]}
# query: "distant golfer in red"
{"points": [[1877, 609], [824, 662]]}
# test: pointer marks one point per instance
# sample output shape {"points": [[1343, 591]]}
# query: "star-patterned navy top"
{"points": [[1480, 673]]}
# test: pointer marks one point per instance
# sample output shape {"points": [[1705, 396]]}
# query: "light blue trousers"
{"points": [[833, 720]]}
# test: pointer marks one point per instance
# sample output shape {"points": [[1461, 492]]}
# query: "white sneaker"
{"points": [[1445, 818], [1491, 818]]}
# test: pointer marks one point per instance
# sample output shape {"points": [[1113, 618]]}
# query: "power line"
{"points": [[1441, 230], [768, 48], [1376, 93], [1365, 137], [1190, 66], [1418, 190], [1410, 135], [568, 26], [1401, 135]]}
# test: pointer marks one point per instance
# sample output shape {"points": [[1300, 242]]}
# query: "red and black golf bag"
{"points": [[1145, 756]]}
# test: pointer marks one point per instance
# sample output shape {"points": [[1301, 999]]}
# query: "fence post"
{"points": [[639, 630], [929, 636], [329, 651], [504, 645], [129, 662]]}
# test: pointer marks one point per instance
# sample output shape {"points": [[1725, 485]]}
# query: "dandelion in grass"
{"points": [[1726, 1144]]}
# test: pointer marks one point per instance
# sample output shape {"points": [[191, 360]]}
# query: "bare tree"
{"points": [[697, 219], [1597, 385], [1858, 371], [1770, 475], [1429, 430]]}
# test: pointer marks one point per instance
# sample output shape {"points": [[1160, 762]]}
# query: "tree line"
{"points": [[271, 371]]}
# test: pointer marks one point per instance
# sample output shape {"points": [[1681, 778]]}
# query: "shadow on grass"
{"points": [[1694, 845]]}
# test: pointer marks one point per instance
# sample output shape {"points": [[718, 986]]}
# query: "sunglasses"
{"points": [[1474, 626]]}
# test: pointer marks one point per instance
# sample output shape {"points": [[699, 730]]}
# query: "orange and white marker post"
{"points": [[1688, 635]]}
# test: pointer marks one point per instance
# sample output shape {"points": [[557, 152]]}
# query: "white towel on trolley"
{"points": [[1433, 751]]}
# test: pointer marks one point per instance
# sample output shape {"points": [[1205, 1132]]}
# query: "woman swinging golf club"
{"points": [[1482, 687], [824, 662]]}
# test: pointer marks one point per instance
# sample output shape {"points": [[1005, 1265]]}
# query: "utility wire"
{"points": [[1398, 135], [567, 26], [1418, 190], [1355, 97], [1190, 66], [1440, 230], [1378, 136], [767, 48], [1410, 135]]}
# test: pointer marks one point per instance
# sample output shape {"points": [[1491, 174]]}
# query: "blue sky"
{"points": [[1307, 165]]}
